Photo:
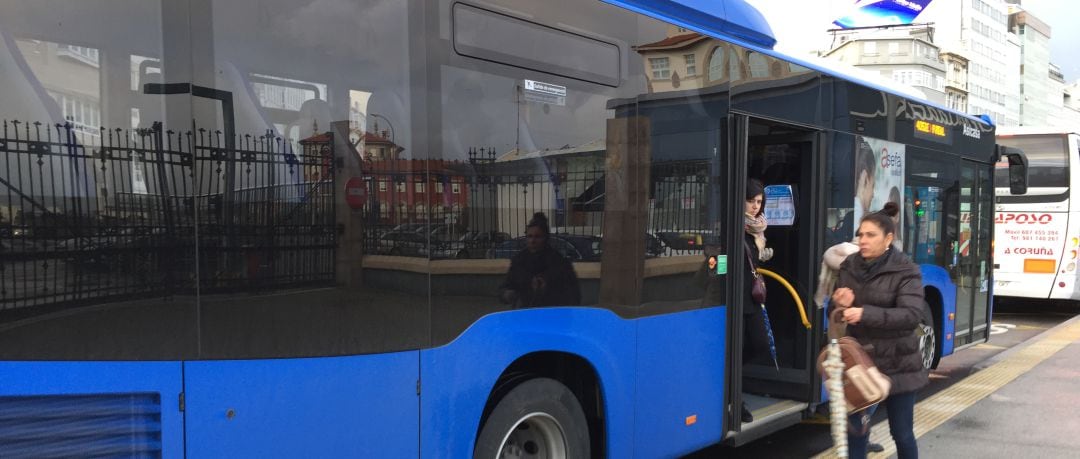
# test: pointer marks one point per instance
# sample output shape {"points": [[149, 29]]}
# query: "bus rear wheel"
{"points": [[540, 418]]}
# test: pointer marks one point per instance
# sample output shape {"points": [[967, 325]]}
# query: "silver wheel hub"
{"points": [[535, 435], [927, 344]]}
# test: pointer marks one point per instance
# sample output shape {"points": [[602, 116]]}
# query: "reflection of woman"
{"points": [[880, 297], [539, 275]]}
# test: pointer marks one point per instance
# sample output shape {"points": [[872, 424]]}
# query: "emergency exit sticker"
{"points": [[721, 264]]}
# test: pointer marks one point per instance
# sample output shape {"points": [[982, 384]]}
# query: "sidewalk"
{"points": [[1023, 403]]}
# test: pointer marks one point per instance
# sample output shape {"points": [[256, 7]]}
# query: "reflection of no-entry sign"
{"points": [[355, 193]]}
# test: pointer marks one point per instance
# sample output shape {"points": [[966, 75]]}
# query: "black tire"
{"points": [[462, 255], [540, 417], [396, 251], [929, 339]]}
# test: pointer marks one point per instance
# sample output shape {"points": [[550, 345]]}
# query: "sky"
{"points": [[800, 26]]}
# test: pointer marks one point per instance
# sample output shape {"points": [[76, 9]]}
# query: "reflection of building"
{"points": [[682, 60], [403, 190], [378, 147], [566, 183], [71, 75], [687, 60], [906, 55]]}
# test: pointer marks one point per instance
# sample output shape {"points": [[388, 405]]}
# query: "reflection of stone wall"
{"points": [[666, 279]]}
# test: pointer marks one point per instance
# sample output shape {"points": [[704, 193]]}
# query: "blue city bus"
{"points": [[270, 228]]}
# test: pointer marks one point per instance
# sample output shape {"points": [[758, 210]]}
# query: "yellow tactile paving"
{"points": [[942, 406]]}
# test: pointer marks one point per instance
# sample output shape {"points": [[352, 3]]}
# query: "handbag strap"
{"points": [[753, 266]]}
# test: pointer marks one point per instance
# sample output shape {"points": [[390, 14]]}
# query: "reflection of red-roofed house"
{"points": [[420, 190], [317, 156], [683, 60], [378, 147]]}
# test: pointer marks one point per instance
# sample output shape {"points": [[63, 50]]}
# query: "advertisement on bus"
{"points": [[879, 178]]}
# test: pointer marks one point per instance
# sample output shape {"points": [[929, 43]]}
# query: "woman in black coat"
{"points": [[755, 336], [879, 296]]}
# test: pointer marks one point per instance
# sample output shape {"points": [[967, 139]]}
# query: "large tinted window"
{"points": [[1048, 160], [251, 179]]}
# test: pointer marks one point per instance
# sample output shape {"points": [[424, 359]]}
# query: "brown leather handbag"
{"points": [[864, 385]]}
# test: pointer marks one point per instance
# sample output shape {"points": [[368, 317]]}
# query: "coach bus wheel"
{"points": [[539, 418], [927, 338]]}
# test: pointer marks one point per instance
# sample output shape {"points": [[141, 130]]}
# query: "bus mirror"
{"points": [[1017, 168]]}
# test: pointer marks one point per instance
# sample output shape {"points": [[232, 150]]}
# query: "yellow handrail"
{"points": [[791, 290]]}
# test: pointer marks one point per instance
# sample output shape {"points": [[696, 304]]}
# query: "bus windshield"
{"points": [[1047, 155]]}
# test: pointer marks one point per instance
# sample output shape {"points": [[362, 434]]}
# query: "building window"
{"points": [[734, 65], [894, 48], [661, 68], [382, 185], [439, 187], [759, 65], [455, 188], [400, 187], [691, 64], [869, 48], [419, 187], [716, 64]]}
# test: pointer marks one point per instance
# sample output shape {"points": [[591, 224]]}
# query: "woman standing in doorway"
{"points": [[755, 336]]}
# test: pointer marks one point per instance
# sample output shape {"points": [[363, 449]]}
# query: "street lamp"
{"points": [[393, 137]]}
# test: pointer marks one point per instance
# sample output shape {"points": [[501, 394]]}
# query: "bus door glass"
{"points": [[970, 258], [981, 247]]}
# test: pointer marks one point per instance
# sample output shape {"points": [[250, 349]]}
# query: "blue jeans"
{"points": [[901, 411]]}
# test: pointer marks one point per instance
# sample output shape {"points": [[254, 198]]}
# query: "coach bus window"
{"points": [[1047, 155]]}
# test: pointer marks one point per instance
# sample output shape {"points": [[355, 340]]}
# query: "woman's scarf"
{"points": [[755, 226]]}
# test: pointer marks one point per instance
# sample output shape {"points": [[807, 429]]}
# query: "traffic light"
{"points": [[919, 211]]}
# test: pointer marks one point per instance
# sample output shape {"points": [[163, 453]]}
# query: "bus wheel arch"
{"points": [[931, 326], [543, 374]]}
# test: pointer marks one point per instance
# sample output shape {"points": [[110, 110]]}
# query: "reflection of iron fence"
{"points": [[123, 217], [499, 203]]}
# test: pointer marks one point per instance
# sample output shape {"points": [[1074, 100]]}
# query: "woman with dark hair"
{"points": [[539, 275], [879, 297]]}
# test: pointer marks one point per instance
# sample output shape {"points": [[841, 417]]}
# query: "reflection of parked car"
{"points": [[406, 228], [574, 248], [477, 244], [402, 244], [441, 231], [684, 240], [654, 247]]}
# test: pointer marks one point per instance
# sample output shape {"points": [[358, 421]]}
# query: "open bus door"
{"points": [[785, 158]]}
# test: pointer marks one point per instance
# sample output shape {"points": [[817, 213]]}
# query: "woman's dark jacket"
{"points": [[890, 292], [561, 283], [712, 283]]}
